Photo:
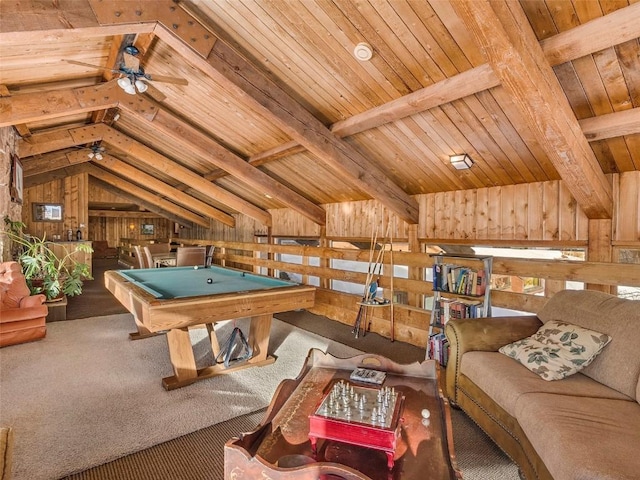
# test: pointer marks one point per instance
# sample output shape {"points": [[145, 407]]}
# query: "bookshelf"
{"points": [[461, 289]]}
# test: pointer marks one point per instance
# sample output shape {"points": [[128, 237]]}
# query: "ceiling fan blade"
{"points": [[104, 69], [165, 79], [156, 94]]}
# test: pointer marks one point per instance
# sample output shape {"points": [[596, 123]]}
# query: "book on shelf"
{"points": [[439, 348]]}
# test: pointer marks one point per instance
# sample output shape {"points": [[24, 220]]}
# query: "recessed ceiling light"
{"points": [[363, 51]]}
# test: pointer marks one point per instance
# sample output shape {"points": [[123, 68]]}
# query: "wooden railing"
{"points": [[411, 321]]}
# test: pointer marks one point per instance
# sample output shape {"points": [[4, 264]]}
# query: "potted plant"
{"points": [[45, 272]]}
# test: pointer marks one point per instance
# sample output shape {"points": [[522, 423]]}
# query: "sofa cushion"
{"points": [[557, 350], [568, 435], [618, 365], [514, 381]]}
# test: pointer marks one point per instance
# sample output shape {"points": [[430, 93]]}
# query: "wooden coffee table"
{"points": [[280, 448]]}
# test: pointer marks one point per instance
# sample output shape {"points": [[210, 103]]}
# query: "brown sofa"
{"points": [[22, 315], [585, 426]]}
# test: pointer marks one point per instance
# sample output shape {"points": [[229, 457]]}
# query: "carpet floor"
{"points": [[199, 455]]}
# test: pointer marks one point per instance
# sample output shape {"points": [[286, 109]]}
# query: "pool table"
{"points": [[173, 299]]}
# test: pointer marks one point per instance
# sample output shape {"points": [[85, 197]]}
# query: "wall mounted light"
{"points": [[461, 162], [132, 226]]}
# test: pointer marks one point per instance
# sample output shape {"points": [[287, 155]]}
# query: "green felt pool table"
{"points": [[173, 299]]}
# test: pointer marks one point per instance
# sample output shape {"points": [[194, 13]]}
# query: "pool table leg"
{"points": [[182, 359], [259, 332], [184, 363]]}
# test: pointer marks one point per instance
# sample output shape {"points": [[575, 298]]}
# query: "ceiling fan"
{"points": [[133, 78]]}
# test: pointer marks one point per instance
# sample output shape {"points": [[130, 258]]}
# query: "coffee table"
{"points": [[280, 447]]}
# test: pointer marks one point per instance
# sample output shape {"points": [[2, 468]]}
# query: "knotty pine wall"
{"points": [[73, 193], [113, 226]]}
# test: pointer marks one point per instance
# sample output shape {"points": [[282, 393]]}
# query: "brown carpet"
{"points": [[199, 455]]}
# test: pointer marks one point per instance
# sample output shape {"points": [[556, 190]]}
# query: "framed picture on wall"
{"points": [[146, 229], [47, 212], [16, 187]]}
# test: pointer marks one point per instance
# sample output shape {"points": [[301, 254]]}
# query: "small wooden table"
{"points": [[280, 448]]}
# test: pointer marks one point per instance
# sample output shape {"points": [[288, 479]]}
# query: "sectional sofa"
{"points": [[582, 426]]}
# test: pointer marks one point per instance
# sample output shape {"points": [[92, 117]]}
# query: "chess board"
{"points": [[365, 416]]}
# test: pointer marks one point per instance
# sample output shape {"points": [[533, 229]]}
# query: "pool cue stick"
{"points": [[356, 325], [379, 261], [378, 265]]}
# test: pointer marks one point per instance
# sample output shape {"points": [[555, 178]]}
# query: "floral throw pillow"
{"points": [[557, 349]]}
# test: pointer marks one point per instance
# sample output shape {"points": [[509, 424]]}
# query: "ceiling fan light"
{"points": [[461, 162], [124, 82], [98, 156], [91, 155], [141, 86], [130, 89]]}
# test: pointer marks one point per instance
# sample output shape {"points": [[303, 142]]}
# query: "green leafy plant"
{"points": [[46, 272]]}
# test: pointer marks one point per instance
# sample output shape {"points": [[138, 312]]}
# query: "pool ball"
{"points": [[209, 280], [196, 267]]}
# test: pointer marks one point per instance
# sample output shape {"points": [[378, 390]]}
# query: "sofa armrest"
{"points": [[32, 301], [482, 334]]}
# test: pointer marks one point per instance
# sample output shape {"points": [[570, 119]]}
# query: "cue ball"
{"points": [[196, 267], [209, 280]]}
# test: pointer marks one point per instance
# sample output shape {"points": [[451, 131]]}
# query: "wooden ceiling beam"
{"points": [[598, 34], [113, 164], [611, 125], [593, 36], [193, 140], [153, 159], [65, 138], [505, 37], [145, 195], [67, 102], [142, 203], [58, 139], [122, 214], [46, 163], [243, 79], [52, 175]]}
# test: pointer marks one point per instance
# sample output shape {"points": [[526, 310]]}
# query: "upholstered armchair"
{"points": [[22, 315]]}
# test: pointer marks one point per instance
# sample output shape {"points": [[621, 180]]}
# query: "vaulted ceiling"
{"points": [[276, 111]]}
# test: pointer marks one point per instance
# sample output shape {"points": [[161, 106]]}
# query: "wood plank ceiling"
{"points": [[278, 112]]}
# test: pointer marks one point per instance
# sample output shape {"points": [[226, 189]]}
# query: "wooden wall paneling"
{"points": [[521, 212], [507, 218], [550, 210], [289, 223], [494, 213], [627, 222], [599, 249], [439, 215], [567, 207], [470, 207], [535, 212], [456, 216], [481, 216]]}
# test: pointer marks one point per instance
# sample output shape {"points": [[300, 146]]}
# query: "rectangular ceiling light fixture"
{"points": [[461, 162]]}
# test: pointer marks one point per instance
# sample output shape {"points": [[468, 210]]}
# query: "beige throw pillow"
{"points": [[557, 349]]}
